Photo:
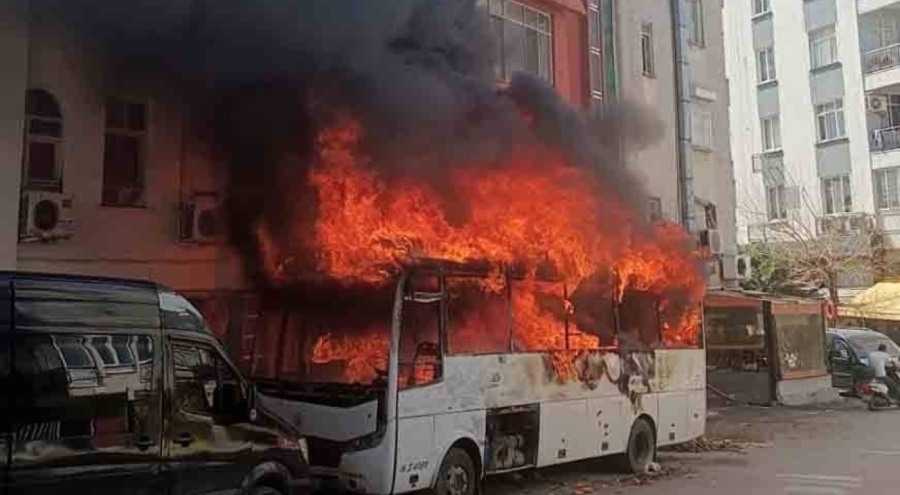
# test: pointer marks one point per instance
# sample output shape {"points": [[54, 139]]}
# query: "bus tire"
{"points": [[457, 474], [641, 450]]}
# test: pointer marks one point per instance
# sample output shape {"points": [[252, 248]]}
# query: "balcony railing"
{"points": [[886, 139], [883, 58]]}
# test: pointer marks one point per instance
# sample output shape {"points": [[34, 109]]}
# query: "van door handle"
{"points": [[143, 442], [184, 439]]}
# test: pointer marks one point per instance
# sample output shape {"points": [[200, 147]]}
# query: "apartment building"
{"points": [[668, 58], [815, 111]]}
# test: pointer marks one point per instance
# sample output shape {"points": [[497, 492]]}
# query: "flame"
{"points": [[533, 210]]}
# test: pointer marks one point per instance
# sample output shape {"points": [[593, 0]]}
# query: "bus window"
{"points": [[539, 312], [420, 349], [639, 326], [478, 316], [594, 309]]}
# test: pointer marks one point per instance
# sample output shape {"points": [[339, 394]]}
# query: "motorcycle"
{"points": [[877, 394]]}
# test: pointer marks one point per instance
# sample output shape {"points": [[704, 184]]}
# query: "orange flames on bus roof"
{"points": [[535, 210]]}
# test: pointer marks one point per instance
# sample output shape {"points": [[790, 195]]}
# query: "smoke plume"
{"points": [[263, 75]]}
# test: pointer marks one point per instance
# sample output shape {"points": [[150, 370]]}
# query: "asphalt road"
{"points": [[847, 450], [835, 450]]}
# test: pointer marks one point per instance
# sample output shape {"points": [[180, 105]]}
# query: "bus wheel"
{"points": [[641, 448], [457, 475]]}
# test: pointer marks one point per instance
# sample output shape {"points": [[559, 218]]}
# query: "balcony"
{"points": [[885, 147], [882, 67]]}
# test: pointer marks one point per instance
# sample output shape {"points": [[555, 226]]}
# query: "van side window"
{"points": [[200, 374], [78, 393]]}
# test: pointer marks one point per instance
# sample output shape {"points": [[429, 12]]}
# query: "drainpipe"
{"points": [[684, 146]]}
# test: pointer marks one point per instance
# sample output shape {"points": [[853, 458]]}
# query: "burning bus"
{"points": [[547, 325]]}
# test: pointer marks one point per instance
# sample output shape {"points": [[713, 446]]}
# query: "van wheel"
{"points": [[457, 475], [265, 490], [641, 448]]}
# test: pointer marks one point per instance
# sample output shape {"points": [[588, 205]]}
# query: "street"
{"points": [[834, 450]]}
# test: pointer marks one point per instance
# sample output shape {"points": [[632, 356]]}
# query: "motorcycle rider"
{"points": [[880, 361]]}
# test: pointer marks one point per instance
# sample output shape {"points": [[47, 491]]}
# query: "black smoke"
{"points": [[417, 73]]}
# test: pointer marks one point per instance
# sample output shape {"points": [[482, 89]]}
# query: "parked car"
{"points": [[847, 351], [118, 387]]}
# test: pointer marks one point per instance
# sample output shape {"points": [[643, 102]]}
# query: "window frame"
{"points": [[703, 125], [697, 31], [54, 184], [776, 203], [833, 109], [770, 133], [884, 189], [817, 40], [648, 56], [142, 136], [766, 71], [497, 10], [761, 7], [837, 195]]}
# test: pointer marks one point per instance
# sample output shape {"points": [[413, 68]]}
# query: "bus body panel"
{"points": [[679, 370], [564, 433], [338, 424], [363, 471]]}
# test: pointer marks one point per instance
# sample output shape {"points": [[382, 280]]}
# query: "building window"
{"points": [[43, 142], [702, 126], [760, 6], [648, 65], [886, 27], [887, 188], [696, 23], [836, 195], [523, 39], [771, 133], [124, 153], [822, 47], [595, 32], [654, 209], [765, 64], [830, 120], [775, 202]]}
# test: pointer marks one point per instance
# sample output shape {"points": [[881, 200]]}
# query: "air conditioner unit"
{"points": [[876, 103], [44, 216], [711, 239], [744, 267], [200, 220]]}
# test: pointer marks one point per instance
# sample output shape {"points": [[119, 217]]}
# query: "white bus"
{"points": [[449, 386]]}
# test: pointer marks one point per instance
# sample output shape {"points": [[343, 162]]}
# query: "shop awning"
{"points": [[881, 302]]}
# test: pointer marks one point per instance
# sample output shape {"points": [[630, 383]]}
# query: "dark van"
{"points": [[848, 355], [114, 386]]}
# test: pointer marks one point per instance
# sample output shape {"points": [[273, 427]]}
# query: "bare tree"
{"points": [[806, 248]]}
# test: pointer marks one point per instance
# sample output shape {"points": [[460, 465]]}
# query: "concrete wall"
{"points": [[654, 161], [14, 54], [713, 171], [805, 391]]}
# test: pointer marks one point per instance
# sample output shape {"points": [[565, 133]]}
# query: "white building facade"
{"points": [[815, 115]]}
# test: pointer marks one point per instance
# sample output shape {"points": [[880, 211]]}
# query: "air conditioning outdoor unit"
{"points": [[744, 267], [712, 240], [44, 216], [200, 220], [876, 103]]}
